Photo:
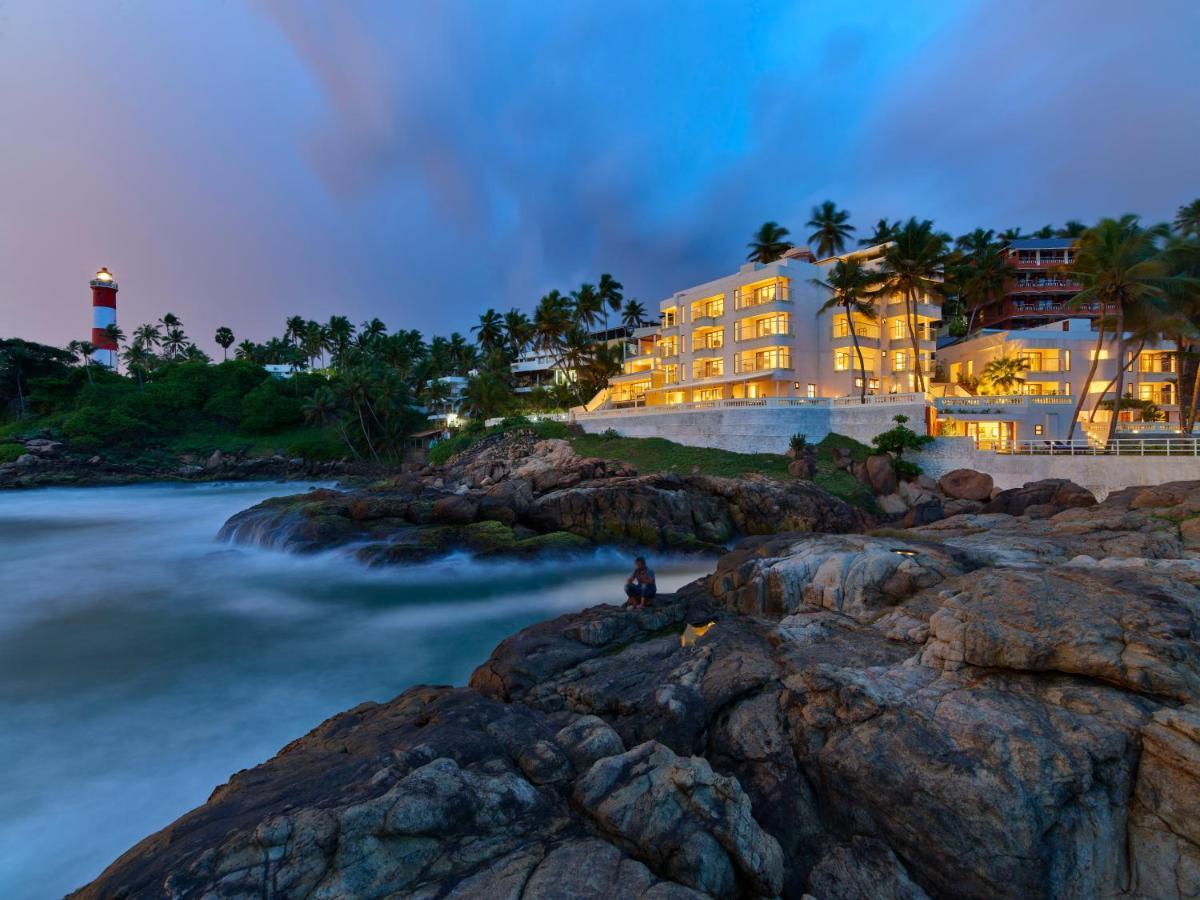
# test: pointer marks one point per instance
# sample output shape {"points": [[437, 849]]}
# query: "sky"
{"points": [[239, 161]]}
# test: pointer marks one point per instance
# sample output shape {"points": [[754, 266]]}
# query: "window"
{"points": [[713, 393], [899, 329], [900, 361], [812, 390], [841, 360], [1038, 429]]}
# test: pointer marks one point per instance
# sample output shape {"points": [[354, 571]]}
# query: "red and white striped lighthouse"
{"points": [[104, 313]]}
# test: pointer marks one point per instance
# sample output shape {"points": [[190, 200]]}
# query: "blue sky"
{"points": [[236, 162]]}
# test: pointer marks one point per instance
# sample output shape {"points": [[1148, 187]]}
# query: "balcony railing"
{"points": [[862, 330], [1156, 365], [763, 364], [771, 293], [708, 347], [1035, 285]]}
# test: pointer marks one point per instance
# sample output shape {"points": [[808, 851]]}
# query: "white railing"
{"points": [[533, 417], [1167, 445], [978, 405], [754, 402]]}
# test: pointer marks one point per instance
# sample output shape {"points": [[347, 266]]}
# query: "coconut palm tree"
{"points": [[1119, 266], [138, 360], [1046, 231], [84, 350], [633, 314], [174, 341], [247, 349], [830, 229], [323, 408], [914, 264], [586, 306], [979, 272], [341, 332], [611, 297], [1005, 373], [551, 320], [884, 231], [1187, 220], [169, 321], [768, 243], [148, 335], [1072, 229], [852, 287], [1011, 234], [517, 332], [224, 339], [490, 330]]}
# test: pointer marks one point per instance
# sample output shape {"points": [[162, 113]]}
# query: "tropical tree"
{"points": [[1072, 229], [340, 331], [586, 306], [83, 350], [914, 264], [633, 314], [611, 297], [852, 288], [1011, 234], [169, 321], [978, 272], [247, 349], [1187, 220], [1119, 267], [148, 335], [1046, 231], [884, 231], [224, 339], [551, 320], [138, 360], [487, 395], [490, 330], [1005, 374], [21, 361], [323, 408], [831, 230], [769, 243], [518, 330]]}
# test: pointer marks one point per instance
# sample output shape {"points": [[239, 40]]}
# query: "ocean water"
{"points": [[142, 663]]}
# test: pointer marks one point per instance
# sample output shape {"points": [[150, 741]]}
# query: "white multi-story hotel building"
{"points": [[759, 333]]}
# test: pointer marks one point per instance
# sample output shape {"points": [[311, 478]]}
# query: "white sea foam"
{"points": [[142, 662]]}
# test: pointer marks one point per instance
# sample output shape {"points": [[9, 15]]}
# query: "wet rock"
{"points": [[1051, 495]]}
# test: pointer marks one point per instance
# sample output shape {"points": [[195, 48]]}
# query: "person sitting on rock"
{"points": [[639, 587]]}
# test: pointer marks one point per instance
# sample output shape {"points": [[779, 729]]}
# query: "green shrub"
{"points": [[798, 443], [10, 452], [319, 444], [443, 450], [267, 408], [609, 434], [896, 440]]}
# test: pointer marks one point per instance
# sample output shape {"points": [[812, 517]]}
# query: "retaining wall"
{"points": [[1099, 474], [759, 429]]}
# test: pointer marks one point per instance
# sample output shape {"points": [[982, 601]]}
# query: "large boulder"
{"points": [[966, 484], [881, 473], [1049, 496]]}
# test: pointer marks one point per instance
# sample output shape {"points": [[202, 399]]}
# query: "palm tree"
{"points": [[768, 243], [114, 333], [611, 297], [1183, 258], [913, 264], [852, 287], [169, 321], [148, 335], [1119, 266], [490, 330], [551, 319], [1187, 220], [1072, 229], [487, 395], [340, 332], [979, 272], [517, 332], [247, 349], [884, 232], [633, 314], [322, 408], [224, 339], [84, 350], [586, 306], [1011, 234], [1046, 231], [137, 360], [293, 329], [1005, 373], [831, 231], [174, 341]]}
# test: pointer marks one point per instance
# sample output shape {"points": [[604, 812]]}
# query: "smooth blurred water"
{"points": [[141, 663]]}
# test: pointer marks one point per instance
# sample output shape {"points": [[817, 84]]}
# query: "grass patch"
{"points": [[10, 452]]}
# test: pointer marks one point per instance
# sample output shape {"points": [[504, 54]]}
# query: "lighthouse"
{"points": [[104, 313]]}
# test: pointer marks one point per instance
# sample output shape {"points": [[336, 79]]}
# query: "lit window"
{"points": [[812, 390], [1037, 429]]}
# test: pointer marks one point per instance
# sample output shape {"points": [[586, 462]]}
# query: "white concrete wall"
{"points": [[760, 429], [1099, 474]]}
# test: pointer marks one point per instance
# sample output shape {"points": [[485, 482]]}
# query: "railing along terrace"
{"points": [[770, 293], [1166, 445], [866, 331], [639, 407]]}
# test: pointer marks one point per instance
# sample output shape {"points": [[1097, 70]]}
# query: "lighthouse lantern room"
{"points": [[104, 314]]}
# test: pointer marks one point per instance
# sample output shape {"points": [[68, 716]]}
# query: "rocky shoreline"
{"points": [[515, 494], [992, 705], [49, 463]]}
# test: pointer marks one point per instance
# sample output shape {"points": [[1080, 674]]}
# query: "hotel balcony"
{"points": [[772, 362], [754, 341], [1047, 307], [1031, 262], [764, 299], [708, 348], [1047, 285]]}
